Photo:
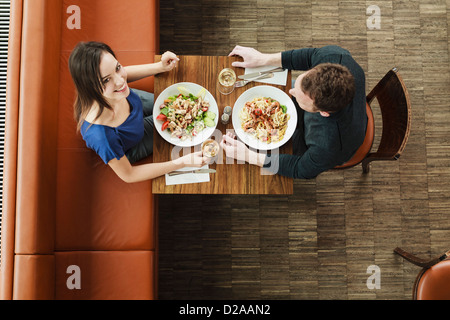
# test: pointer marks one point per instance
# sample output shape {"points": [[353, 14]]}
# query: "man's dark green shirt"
{"points": [[332, 140]]}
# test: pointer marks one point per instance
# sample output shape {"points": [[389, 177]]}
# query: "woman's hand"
{"points": [[195, 159], [169, 60], [253, 58]]}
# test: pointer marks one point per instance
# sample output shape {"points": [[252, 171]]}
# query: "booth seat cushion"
{"points": [[65, 207], [125, 25], [34, 277], [96, 210], [105, 275]]}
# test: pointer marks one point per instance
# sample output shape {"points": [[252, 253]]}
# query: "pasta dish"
{"points": [[265, 119]]}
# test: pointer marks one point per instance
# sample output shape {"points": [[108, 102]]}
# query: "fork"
{"points": [[242, 83]]}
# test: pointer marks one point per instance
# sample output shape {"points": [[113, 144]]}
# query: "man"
{"points": [[331, 105]]}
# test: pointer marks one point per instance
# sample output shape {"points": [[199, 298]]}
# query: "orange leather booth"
{"points": [[71, 228]]}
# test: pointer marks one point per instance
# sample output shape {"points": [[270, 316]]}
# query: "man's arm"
{"points": [[308, 166], [298, 59]]}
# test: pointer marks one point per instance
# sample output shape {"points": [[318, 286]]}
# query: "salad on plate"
{"points": [[184, 115]]}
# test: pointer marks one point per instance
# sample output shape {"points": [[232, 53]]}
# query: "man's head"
{"points": [[326, 88]]}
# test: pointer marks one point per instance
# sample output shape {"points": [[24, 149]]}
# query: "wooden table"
{"points": [[229, 178]]}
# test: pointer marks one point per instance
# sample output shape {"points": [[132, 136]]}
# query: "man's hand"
{"points": [[234, 148], [253, 58], [238, 150]]}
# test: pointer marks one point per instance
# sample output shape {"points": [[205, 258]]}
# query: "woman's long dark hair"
{"points": [[84, 66]]}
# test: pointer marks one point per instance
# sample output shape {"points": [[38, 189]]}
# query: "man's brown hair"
{"points": [[331, 86]]}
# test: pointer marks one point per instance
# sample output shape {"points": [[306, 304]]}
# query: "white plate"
{"points": [[172, 91], [264, 91]]}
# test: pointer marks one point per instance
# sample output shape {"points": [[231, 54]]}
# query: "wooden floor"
{"points": [[319, 242]]}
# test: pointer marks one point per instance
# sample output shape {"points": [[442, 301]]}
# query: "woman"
{"points": [[114, 120]]}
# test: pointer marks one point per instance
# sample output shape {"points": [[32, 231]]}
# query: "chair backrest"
{"points": [[366, 146], [433, 281], [394, 102]]}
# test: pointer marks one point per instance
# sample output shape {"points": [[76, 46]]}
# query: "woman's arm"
{"points": [[130, 174], [168, 61]]}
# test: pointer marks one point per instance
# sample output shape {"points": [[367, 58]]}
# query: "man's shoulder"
{"points": [[331, 54], [333, 49]]}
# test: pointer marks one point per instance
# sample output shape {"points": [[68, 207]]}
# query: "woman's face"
{"points": [[114, 78]]}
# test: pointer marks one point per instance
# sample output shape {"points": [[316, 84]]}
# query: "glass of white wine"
{"points": [[226, 81]]}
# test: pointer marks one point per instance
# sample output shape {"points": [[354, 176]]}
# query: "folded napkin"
{"points": [[279, 78], [188, 177]]}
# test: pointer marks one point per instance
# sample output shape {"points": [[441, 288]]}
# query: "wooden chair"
{"points": [[433, 281], [395, 106]]}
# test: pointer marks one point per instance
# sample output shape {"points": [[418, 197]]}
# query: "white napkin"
{"points": [[279, 78], [188, 177]]}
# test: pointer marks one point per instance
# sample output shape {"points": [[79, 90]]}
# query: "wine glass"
{"points": [[226, 80]]}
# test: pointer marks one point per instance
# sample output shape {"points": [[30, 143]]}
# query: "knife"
{"points": [[255, 74], [174, 173], [242, 83]]}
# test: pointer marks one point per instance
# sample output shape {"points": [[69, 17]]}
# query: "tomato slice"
{"points": [[165, 125], [204, 109], [258, 112], [161, 117]]}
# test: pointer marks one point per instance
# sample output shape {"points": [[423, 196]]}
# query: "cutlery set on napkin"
{"points": [[175, 173], [189, 175], [265, 74]]}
